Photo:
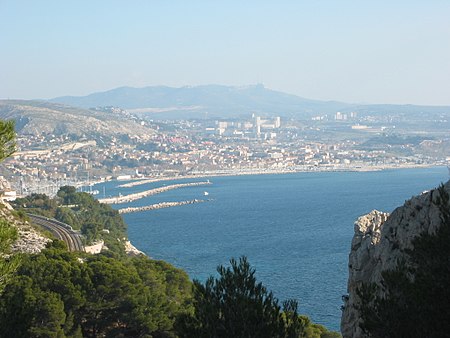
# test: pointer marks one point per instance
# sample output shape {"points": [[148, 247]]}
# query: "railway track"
{"points": [[60, 230]]}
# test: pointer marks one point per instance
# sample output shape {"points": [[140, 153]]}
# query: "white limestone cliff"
{"points": [[29, 239], [377, 246]]}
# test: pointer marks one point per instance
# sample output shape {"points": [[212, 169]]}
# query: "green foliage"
{"points": [[39, 204], [117, 298], [81, 211], [235, 305], [8, 264], [57, 295], [7, 139], [65, 193], [25, 309], [417, 301], [8, 234]]}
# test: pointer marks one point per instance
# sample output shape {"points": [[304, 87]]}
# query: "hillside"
{"points": [[228, 101], [39, 117]]}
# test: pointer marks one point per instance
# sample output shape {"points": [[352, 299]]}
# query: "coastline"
{"points": [[131, 249], [246, 172]]}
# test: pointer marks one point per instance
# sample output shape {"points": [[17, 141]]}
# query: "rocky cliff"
{"points": [[378, 244]]}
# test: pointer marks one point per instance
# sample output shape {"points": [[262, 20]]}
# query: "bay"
{"points": [[295, 229]]}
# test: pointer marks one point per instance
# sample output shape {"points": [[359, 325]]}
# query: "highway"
{"points": [[60, 230]]}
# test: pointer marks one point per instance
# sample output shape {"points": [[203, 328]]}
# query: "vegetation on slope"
{"points": [[7, 139], [8, 263], [83, 212], [55, 294]]}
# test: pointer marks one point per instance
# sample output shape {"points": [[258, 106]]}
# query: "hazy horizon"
{"points": [[348, 51]]}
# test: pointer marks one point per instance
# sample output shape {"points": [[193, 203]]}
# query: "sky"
{"points": [[358, 51]]}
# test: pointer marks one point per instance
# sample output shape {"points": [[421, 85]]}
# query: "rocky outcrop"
{"points": [[95, 248], [29, 239], [131, 250], [378, 245]]}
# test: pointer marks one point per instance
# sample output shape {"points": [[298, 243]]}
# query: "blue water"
{"points": [[295, 229]]}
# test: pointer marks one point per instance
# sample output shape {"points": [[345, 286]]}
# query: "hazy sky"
{"points": [[355, 51]]}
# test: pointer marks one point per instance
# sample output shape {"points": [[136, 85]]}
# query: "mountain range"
{"points": [[74, 114], [218, 101]]}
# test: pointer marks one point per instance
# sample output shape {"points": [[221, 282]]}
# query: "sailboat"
{"points": [[205, 193]]}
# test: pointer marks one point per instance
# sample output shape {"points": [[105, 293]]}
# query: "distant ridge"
{"points": [[216, 100], [37, 117], [226, 101]]}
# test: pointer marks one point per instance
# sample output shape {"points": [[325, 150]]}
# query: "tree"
{"points": [[54, 294], [7, 139], [66, 193], [235, 305], [116, 298], [8, 234], [8, 263], [31, 312]]}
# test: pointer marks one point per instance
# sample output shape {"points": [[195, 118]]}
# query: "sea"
{"points": [[295, 229]]}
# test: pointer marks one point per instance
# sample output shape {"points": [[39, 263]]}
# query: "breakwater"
{"points": [[152, 180], [139, 195], [158, 206]]}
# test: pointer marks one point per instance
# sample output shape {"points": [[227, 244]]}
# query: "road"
{"points": [[60, 230]]}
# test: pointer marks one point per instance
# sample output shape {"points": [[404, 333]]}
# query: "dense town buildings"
{"points": [[205, 147]]}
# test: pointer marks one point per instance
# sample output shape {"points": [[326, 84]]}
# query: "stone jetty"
{"points": [[158, 206], [139, 195]]}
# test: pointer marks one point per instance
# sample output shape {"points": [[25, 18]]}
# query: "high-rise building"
{"points": [[277, 122], [258, 125]]}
